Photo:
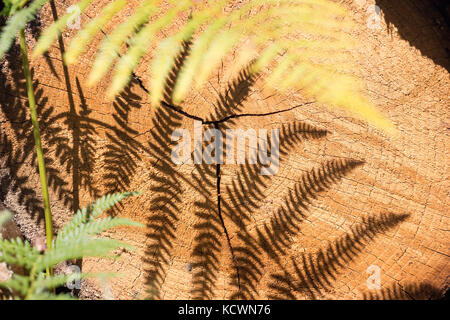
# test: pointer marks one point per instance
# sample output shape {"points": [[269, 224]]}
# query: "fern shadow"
{"points": [[215, 208], [274, 237], [410, 291], [18, 149], [313, 274], [167, 190]]}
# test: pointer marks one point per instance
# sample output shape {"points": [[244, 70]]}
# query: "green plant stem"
{"points": [[38, 144]]}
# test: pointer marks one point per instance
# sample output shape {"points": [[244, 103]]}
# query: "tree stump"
{"points": [[351, 213]]}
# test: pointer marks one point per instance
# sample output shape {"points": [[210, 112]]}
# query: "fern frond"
{"points": [[220, 46], [303, 43], [18, 283], [6, 8], [44, 282], [92, 211], [137, 49], [75, 240], [50, 282], [168, 49], [95, 227], [16, 23], [111, 45], [52, 33], [331, 87], [78, 248], [79, 43], [191, 66], [17, 252]]}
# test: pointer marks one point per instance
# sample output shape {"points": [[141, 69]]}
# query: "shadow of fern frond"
{"points": [[410, 291], [123, 151], [312, 275], [205, 179], [274, 237], [294, 133], [165, 205], [167, 191], [247, 189], [232, 100], [276, 234], [12, 180], [207, 242], [14, 110]]}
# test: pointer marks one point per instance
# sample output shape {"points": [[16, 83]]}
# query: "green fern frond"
{"points": [[78, 248], [108, 201], [76, 240], [16, 23], [56, 281], [50, 296], [95, 227], [93, 211], [17, 252], [18, 283], [52, 33], [6, 8], [11, 6]]}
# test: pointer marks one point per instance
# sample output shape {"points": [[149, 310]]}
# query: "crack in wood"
{"points": [[216, 123]]}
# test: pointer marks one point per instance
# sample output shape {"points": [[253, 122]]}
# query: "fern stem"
{"points": [[38, 144]]}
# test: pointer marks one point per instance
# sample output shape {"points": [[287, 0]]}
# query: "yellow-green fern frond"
{"points": [[112, 44], [17, 22], [299, 44], [52, 33], [79, 43], [168, 49], [137, 49]]}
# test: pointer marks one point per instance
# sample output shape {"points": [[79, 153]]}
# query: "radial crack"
{"points": [[219, 212], [216, 123]]}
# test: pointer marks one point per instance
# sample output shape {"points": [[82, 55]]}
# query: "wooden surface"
{"points": [[346, 196]]}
